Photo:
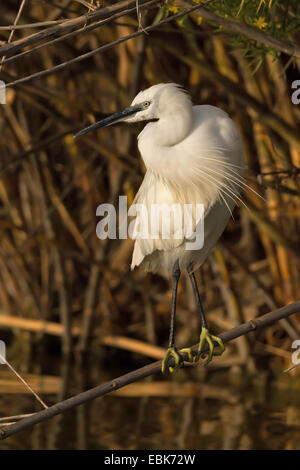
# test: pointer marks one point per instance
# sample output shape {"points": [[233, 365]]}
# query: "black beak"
{"points": [[112, 119]]}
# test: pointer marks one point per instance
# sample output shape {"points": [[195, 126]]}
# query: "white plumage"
{"points": [[193, 154]]}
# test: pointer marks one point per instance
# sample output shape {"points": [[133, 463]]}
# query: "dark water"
{"points": [[219, 411]]}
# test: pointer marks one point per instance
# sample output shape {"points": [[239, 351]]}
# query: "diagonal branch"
{"points": [[138, 374], [74, 33], [103, 48], [14, 26], [67, 25]]}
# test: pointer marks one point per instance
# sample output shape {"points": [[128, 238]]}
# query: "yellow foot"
{"points": [[171, 352], [205, 336], [189, 353], [178, 359]]}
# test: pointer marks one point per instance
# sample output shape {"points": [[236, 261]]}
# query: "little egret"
{"points": [[193, 155]]}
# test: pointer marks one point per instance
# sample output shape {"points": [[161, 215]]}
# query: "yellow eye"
{"points": [[146, 104]]}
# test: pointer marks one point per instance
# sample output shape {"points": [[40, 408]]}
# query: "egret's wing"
{"points": [[162, 225], [162, 261], [215, 221]]}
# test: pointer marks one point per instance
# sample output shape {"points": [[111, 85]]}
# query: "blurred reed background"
{"points": [[61, 289]]}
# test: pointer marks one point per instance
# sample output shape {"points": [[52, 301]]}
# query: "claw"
{"points": [[189, 352], [178, 359], [172, 352], [206, 336]]}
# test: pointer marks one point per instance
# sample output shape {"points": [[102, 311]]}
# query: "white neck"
{"points": [[172, 128], [173, 125]]}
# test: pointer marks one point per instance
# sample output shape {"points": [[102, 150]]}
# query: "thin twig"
{"points": [[38, 24], [292, 368], [75, 33], [87, 4], [4, 361], [154, 368], [36, 147], [103, 48], [53, 31], [9, 419], [14, 27]]}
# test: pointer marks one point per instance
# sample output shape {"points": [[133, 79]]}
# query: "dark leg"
{"points": [[172, 351], [175, 279], [198, 301], [205, 336]]}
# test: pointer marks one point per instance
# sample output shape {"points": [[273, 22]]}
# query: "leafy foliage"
{"points": [[277, 18]]}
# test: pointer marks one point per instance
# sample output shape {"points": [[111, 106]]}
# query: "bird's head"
{"points": [[150, 104]]}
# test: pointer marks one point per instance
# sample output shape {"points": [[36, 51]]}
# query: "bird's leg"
{"points": [[172, 351], [205, 336]]}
